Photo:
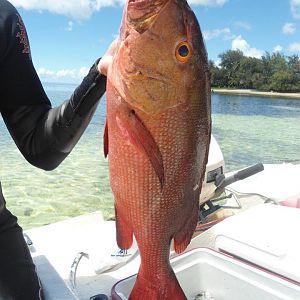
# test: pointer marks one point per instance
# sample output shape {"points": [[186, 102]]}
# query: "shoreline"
{"points": [[241, 92]]}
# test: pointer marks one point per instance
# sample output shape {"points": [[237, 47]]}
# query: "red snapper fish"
{"points": [[157, 136]]}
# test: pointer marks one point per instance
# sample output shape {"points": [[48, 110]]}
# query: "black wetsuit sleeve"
{"points": [[44, 135]]}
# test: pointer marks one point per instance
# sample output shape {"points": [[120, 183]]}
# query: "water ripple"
{"points": [[248, 129]]}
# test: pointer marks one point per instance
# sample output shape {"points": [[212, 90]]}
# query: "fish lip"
{"points": [[142, 13], [137, 1], [142, 4]]}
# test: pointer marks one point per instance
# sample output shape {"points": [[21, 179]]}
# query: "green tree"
{"points": [[273, 72], [217, 76], [230, 64], [249, 66]]}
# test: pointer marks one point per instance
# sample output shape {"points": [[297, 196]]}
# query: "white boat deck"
{"points": [[56, 246]]}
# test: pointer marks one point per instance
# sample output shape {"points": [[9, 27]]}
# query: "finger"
{"points": [[104, 64]]}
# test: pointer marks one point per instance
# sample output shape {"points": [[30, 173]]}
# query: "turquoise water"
{"points": [[248, 129]]}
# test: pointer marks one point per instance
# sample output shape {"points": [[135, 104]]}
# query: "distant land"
{"points": [[248, 92], [273, 73]]}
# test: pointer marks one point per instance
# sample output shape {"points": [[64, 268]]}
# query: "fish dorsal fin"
{"points": [[141, 137]]}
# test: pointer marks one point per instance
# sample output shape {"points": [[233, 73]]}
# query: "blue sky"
{"points": [[67, 36]]}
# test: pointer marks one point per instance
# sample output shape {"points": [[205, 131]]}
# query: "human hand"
{"points": [[106, 60]]}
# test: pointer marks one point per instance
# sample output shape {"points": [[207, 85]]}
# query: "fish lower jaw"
{"points": [[151, 2], [135, 1], [141, 14]]}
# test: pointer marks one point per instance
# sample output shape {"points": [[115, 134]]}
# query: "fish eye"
{"points": [[183, 52]]}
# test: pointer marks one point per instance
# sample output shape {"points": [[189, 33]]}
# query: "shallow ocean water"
{"points": [[248, 129]]}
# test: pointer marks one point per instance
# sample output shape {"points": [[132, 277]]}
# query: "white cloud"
{"points": [[243, 25], [294, 48], [208, 2], [70, 26], [215, 33], [78, 10], [83, 71], [83, 9], [64, 75], [295, 7], [45, 72], [240, 44], [218, 62], [277, 48], [289, 28]]}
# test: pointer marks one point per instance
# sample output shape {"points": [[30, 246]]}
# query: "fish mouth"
{"points": [[141, 14]]}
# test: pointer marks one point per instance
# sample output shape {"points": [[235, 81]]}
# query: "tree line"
{"points": [[272, 72]]}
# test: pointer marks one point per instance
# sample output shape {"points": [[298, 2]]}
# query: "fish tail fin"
{"points": [[157, 289]]}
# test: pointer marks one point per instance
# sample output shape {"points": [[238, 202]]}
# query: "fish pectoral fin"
{"points": [[105, 140], [141, 137], [184, 236], [123, 231]]}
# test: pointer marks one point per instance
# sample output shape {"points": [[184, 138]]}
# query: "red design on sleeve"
{"points": [[22, 35]]}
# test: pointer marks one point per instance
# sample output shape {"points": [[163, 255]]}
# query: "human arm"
{"points": [[44, 135]]}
